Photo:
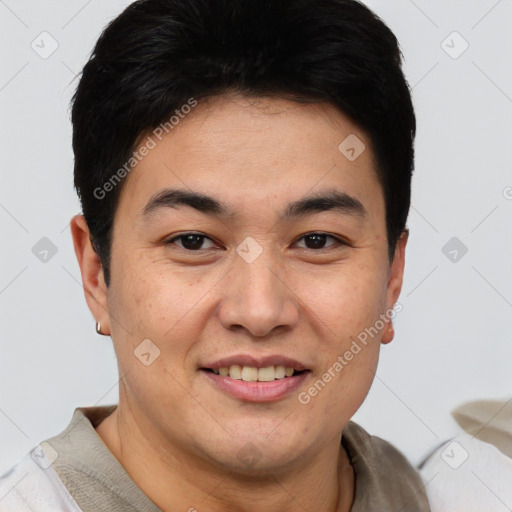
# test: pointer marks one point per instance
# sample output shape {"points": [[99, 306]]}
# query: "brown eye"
{"points": [[190, 241], [318, 240]]}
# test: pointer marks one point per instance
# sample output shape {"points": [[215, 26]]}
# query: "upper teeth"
{"points": [[250, 373]]}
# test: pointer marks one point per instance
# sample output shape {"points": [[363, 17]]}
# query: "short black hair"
{"points": [[157, 55]]}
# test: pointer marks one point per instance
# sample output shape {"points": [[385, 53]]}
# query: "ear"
{"points": [[93, 281], [396, 274]]}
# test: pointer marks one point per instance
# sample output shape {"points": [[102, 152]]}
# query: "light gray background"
{"points": [[453, 337]]}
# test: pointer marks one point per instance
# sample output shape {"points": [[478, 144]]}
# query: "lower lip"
{"points": [[257, 391]]}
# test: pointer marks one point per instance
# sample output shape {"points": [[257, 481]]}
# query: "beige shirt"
{"points": [[384, 479]]}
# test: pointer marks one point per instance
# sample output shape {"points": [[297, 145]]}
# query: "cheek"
{"points": [[166, 306], [355, 306], [145, 296], [347, 300]]}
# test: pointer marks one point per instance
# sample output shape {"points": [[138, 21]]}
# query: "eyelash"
{"points": [[184, 235]]}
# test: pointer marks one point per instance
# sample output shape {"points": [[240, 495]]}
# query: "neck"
{"points": [[176, 479]]}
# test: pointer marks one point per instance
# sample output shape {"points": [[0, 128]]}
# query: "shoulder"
{"points": [[385, 479], [467, 474], [472, 471], [33, 485], [374, 454]]}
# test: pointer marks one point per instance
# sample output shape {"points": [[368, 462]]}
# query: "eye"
{"points": [[195, 241], [318, 240], [190, 241]]}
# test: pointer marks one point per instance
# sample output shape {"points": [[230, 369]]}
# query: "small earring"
{"points": [[98, 328]]}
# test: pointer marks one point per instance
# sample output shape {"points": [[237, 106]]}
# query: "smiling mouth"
{"points": [[254, 374]]}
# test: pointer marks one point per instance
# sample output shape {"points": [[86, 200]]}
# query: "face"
{"points": [[258, 274]]}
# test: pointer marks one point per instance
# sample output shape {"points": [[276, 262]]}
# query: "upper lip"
{"points": [[256, 362]]}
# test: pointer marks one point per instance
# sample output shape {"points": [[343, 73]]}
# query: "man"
{"points": [[244, 170]]}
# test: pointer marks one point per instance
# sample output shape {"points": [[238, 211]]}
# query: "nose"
{"points": [[258, 298]]}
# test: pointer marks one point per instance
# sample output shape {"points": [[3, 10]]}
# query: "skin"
{"points": [[176, 434]]}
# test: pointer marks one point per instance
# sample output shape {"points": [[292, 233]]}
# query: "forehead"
{"points": [[246, 149]]}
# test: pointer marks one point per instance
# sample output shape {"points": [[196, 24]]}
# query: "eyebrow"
{"points": [[321, 202]]}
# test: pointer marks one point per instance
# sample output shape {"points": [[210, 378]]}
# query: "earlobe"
{"points": [[389, 333], [395, 282], [91, 269]]}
